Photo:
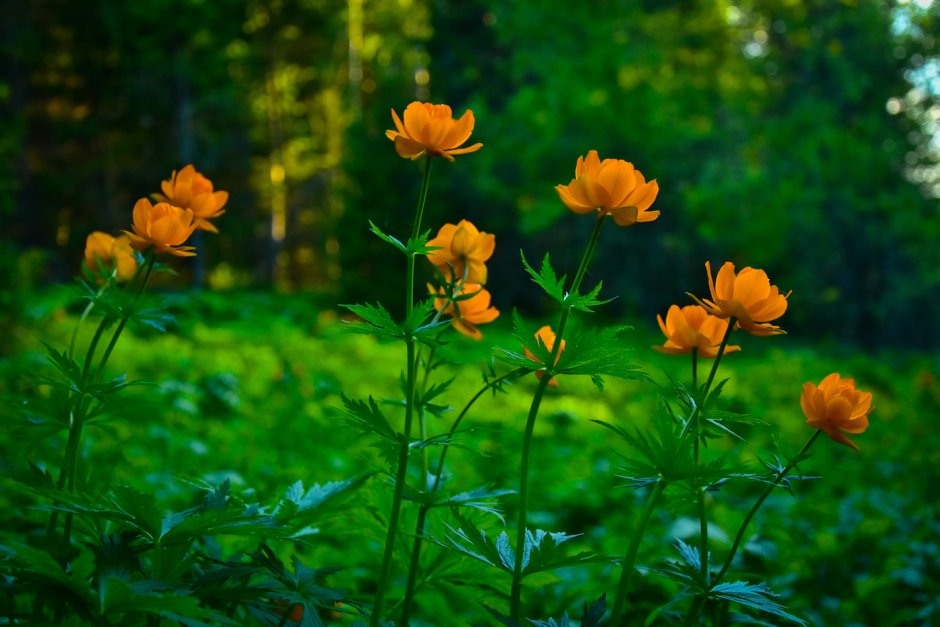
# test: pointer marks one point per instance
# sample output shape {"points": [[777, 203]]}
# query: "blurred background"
{"points": [[796, 136]]}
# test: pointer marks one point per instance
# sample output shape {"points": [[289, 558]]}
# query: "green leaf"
{"points": [[394, 241], [757, 596], [546, 278], [599, 352], [483, 499], [588, 301], [65, 365], [117, 597], [375, 321], [369, 418]]}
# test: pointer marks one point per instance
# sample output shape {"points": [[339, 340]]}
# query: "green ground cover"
{"points": [[247, 387]]}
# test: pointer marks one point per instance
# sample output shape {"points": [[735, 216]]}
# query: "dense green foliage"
{"points": [[796, 136], [856, 546]]}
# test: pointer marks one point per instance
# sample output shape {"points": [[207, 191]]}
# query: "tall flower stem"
{"points": [[699, 601], [433, 487], [77, 417], [627, 565], [760, 501], [148, 269], [410, 386], [515, 597]]}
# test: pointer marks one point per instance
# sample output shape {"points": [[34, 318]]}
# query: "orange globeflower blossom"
{"points": [[105, 254], [611, 186], [162, 226], [469, 312], [546, 337], [431, 128], [748, 296], [463, 248], [836, 406], [691, 327], [188, 189]]}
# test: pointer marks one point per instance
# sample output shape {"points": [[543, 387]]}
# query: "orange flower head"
{"points": [[611, 186], [432, 129], [546, 337], [836, 406], [691, 327], [462, 248], [747, 296], [105, 254], [188, 189], [162, 226], [469, 309], [281, 608]]}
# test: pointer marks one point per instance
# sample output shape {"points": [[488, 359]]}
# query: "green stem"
{"points": [[77, 419], [127, 316], [405, 436], [627, 565], [515, 597], [425, 507], [708, 383], [515, 600], [760, 501]]}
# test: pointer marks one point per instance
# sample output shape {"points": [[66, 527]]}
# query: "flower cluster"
{"points": [[187, 204]]}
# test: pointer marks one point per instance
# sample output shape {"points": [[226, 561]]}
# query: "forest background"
{"points": [[799, 137]]}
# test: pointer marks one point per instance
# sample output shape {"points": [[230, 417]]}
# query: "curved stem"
{"points": [[627, 565], [515, 597], [760, 501], [405, 437], [453, 429]]}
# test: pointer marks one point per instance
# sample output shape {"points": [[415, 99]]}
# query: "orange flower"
{"points": [[188, 189], [836, 406], [281, 608], [105, 254], [692, 327], [431, 128], [546, 337], [467, 312], [162, 226], [611, 186], [748, 296], [462, 248]]}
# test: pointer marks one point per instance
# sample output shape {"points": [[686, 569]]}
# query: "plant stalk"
{"points": [[405, 436], [760, 501], [515, 597], [629, 560]]}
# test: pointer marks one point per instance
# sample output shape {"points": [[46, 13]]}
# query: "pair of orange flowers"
{"points": [[747, 296], [187, 203], [460, 256], [609, 187]]}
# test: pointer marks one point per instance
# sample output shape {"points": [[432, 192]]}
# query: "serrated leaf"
{"points": [[375, 321], [482, 499], [369, 418], [394, 241], [588, 301], [546, 278], [757, 596], [599, 352]]}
